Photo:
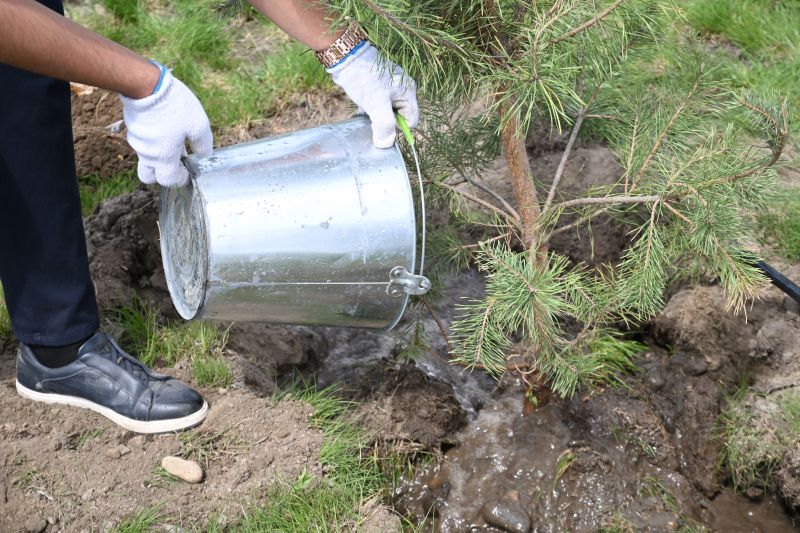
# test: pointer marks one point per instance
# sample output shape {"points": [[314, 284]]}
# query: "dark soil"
{"points": [[100, 146]]}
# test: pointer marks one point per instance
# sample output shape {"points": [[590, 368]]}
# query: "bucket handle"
{"points": [[401, 281]]}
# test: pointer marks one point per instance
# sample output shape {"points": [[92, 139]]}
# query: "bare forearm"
{"points": [[308, 21], [37, 39]]}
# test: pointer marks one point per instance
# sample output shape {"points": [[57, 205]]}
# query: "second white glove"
{"points": [[377, 88], [159, 126]]}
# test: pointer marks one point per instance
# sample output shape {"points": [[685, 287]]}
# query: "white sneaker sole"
{"points": [[137, 426]]}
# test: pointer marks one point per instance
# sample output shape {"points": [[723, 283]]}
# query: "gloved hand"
{"points": [[377, 88], [159, 126]]}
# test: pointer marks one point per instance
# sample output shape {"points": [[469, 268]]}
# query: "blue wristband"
{"points": [[160, 78], [351, 52]]}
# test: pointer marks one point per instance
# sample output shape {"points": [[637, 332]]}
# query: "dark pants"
{"points": [[43, 264]]}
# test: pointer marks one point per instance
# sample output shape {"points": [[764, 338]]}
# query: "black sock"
{"points": [[56, 356]]}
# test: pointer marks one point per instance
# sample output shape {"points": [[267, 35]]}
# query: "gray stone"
{"points": [[507, 516], [35, 524]]}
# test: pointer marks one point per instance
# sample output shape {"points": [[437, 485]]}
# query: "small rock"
{"points": [[222, 390], [754, 493], [88, 495], [137, 442], [189, 471], [35, 524], [123, 450], [507, 516], [51, 520], [112, 453]]}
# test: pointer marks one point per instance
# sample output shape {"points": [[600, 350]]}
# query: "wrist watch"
{"points": [[351, 38]]}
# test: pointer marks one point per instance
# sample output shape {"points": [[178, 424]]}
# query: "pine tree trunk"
{"points": [[521, 178]]}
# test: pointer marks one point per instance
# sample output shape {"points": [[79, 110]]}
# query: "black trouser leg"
{"points": [[44, 268]]}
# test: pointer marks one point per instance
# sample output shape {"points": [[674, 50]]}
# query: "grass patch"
{"points": [[211, 371], [94, 189], [6, 331], [152, 339], [755, 441], [86, 436], [617, 524], [781, 223], [759, 42], [353, 477], [199, 47], [204, 446], [141, 521]]}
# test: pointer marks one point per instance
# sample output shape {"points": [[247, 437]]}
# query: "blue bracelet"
{"points": [[160, 78], [342, 60]]}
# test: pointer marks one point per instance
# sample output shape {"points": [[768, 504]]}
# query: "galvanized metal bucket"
{"points": [[315, 227]]}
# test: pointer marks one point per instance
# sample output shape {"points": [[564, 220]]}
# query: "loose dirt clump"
{"points": [[99, 136], [125, 259], [398, 403], [262, 354], [78, 472]]}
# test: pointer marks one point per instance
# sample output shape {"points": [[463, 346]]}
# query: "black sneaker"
{"points": [[110, 382]]}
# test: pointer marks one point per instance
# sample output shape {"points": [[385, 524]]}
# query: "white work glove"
{"points": [[378, 88], [159, 126]]}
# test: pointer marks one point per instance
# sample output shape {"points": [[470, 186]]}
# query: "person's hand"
{"points": [[159, 126], [378, 88]]}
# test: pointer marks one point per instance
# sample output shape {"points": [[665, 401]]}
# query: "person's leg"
{"points": [[43, 263], [44, 270]]}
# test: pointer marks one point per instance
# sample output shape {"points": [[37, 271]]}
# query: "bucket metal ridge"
{"points": [[304, 228]]}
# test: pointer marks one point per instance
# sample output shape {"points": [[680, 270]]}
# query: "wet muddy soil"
{"points": [[645, 455]]}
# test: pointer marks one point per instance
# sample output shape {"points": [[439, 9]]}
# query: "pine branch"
{"points": [[505, 216], [664, 133], [618, 199], [562, 164], [588, 24]]}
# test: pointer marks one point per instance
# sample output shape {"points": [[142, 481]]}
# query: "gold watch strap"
{"points": [[352, 37]]}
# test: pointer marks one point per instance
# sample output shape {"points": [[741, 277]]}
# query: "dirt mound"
{"points": [[99, 137], [399, 403], [263, 354], [125, 259], [763, 343], [70, 467]]}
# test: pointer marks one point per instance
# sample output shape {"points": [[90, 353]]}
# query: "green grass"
{"points": [[87, 436], [756, 441], [766, 36], [781, 224], [94, 189], [150, 338], [617, 524], [353, 477], [211, 371], [189, 38], [142, 521], [6, 332]]}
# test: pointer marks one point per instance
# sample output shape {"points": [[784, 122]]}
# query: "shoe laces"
{"points": [[128, 362]]}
